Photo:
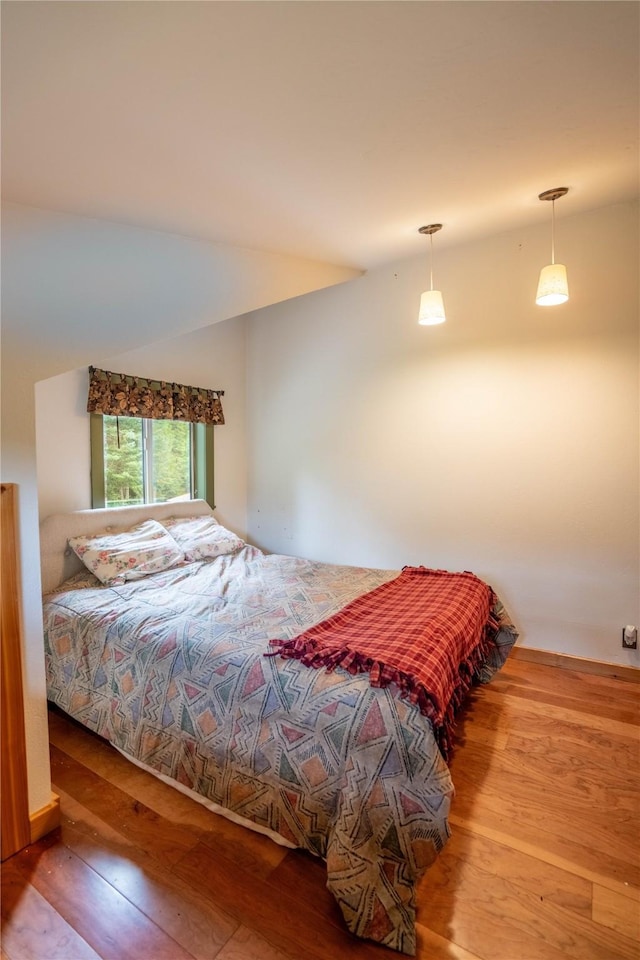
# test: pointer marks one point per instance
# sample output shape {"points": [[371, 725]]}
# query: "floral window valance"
{"points": [[121, 395]]}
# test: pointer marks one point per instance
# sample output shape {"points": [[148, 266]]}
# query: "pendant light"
{"points": [[552, 285], [431, 303]]}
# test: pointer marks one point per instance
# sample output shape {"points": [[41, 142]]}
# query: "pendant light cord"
{"points": [[431, 260], [553, 231]]}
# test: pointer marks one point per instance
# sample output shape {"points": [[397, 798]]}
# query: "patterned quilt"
{"points": [[171, 670], [425, 631]]}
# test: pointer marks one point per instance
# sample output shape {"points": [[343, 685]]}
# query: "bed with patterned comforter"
{"points": [[173, 670]]}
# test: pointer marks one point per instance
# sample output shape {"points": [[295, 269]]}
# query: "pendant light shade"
{"points": [[431, 308], [431, 302], [552, 285]]}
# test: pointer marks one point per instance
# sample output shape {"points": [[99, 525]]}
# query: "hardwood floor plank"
{"points": [[247, 945], [555, 793], [522, 707], [534, 772], [255, 852], [432, 946], [570, 683], [617, 912], [29, 922], [307, 876], [534, 824], [494, 915], [502, 861], [545, 856], [478, 724], [168, 840], [617, 754], [282, 917], [603, 715], [105, 919], [184, 913]]}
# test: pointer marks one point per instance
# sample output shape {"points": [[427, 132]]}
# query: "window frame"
{"points": [[202, 461]]}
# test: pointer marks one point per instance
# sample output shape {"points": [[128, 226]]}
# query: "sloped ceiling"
{"points": [[76, 289]]}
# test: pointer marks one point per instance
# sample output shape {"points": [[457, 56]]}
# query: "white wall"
{"points": [[213, 358], [19, 466], [62, 443], [505, 441]]}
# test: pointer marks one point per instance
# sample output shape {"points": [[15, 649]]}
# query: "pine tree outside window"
{"points": [[135, 460]]}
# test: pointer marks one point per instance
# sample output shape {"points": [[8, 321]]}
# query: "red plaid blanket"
{"points": [[426, 631]]}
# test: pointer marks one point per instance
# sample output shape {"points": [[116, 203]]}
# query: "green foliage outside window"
{"points": [[123, 461], [171, 460], [166, 469], [136, 461]]}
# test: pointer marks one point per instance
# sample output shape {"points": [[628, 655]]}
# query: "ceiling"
{"points": [[328, 130]]}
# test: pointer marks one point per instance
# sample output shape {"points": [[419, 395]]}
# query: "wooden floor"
{"points": [[543, 863]]}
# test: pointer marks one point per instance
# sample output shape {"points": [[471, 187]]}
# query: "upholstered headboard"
{"points": [[58, 561]]}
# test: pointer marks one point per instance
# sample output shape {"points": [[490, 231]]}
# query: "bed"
{"points": [[207, 669]]}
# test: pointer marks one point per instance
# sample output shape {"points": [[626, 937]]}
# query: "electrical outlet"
{"points": [[630, 637]]}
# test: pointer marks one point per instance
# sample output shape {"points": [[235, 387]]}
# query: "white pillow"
{"points": [[202, 537], [129, 554]]}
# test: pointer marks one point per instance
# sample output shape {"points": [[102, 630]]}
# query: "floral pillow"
{"points": [[202, 538], [128, 554]]}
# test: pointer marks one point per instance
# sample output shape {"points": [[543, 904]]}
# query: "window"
{"points": [[163, 456], [135, 461]]}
